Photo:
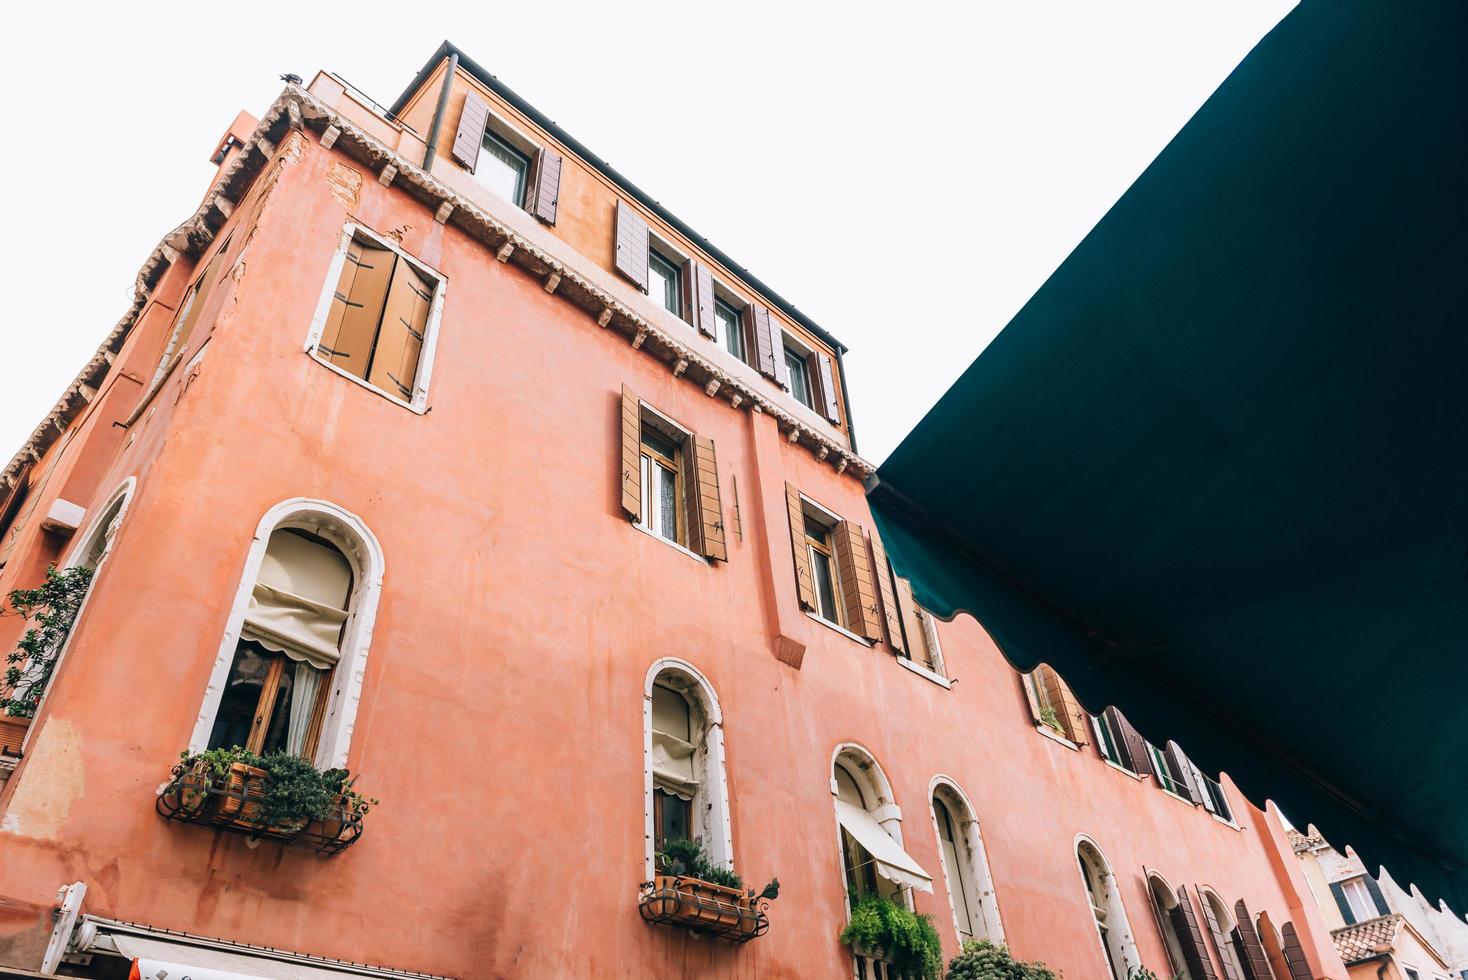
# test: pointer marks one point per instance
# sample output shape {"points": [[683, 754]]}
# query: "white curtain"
{"points": [[303, 699]]}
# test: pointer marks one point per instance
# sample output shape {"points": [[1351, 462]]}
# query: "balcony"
{"points": [[725, 913]]}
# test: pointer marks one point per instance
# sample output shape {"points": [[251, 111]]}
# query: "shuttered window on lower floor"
{"points": [[379, 317], [834, 574], [670, 480]]}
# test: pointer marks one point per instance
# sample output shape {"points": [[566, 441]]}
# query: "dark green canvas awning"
{"points": [[1216, 471]]}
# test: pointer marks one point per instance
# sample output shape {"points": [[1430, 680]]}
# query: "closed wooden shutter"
{"points": [[1183, 770], [692, 517], [1220, 942], [1338, 892], [631, 476], [198, 296], [1295, 956], [1251, 950], [1165, 927], [400, 337], [356, 307], [828, 387], [758, 327], [887, 592], [698, 298], [858, 586], [710, 512], [470, 135], [14, 498], [804, 583], [1027, 682], [631, 257], [1133, 747], [1376, 896], [1072, 718], [545, 186], [1185, 921]]}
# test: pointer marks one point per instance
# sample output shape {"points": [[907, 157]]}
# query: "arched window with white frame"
{"points": [[1186, 954], [683, 746], [1220, 928], [1118, 946], [288, 672], [965, 865]]}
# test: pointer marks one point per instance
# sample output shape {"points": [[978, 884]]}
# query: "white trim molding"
{"points": [[979, 882]]}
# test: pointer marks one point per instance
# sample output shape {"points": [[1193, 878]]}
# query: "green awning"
{"points": [[1216, 471]]}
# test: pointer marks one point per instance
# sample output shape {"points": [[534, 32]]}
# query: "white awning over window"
{"points": [[299, 602], [892, 862]]}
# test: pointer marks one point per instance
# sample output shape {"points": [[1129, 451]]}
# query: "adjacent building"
{"points": [[433, 448]]}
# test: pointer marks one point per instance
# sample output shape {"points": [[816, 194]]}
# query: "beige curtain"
{"points": [[672, 746], [298, 606]]}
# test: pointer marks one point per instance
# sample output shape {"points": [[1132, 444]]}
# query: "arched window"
{"points": [[872, 857], [687, 797], [1117, 944], [965, 867], [1182, 955], [1273, 946], [1220, 927], [288, 672]]}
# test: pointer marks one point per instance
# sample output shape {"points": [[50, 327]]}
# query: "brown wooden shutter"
{"points": [[631, 258], [710, 512], [470, 135], [688, 292], [1132, 746], [887, 592], [1072, 717], [691, 518], [1164, 926], [198, 296], [631, 476], [400, 337], [1183, 769], [356, 307], [1247, 944], [858, 586], [1027, 682], [828, 386], [1294, 955], [804, 581], [698, 298], [758, 326], [545, 186], [1185, 921], [1220, 943]]}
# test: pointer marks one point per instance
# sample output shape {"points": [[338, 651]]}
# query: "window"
{"points": [[1212, 794], [377, 323], [1052, 704], [670, 481], [833, 570], [684, 750], [1183, 961], [189, 311], [1108, 742], [1167, 776], [798, 374], [1358, 899], [1221, 928], [970, 890], [1117, 945], [1412, 974], [275, 695], [872, 856], [730, 328], [503, 169], [823, 570], [663, 282], [662, 493]]}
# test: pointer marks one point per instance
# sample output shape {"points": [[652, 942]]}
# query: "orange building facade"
{"points": [[434, 449]]}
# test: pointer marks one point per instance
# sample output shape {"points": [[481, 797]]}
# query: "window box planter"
{"points": [[726, 913], [231, 802]]}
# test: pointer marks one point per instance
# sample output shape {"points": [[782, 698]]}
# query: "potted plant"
{"points": [[692, 890], [882, 928], [982, 960]]}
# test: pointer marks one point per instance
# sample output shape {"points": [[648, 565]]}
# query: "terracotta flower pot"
{"points": [[244, 786]]}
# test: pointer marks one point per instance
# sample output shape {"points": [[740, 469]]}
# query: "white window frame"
{"points": [[1356, 893], [357, 542], [1117, 921], [680, 433], [977, 880], [806, 352], [419, 402]]}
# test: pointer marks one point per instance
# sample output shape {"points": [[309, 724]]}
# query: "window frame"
{"points": [[527, 161], [418, 404], [1350, 887], [265, 705], [817, 551], [1106, 741], [734, 331], [717, 835], [658, 254], [1170, 782], [800, 369], [651, 458]]}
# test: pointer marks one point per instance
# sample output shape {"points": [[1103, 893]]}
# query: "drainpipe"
{"points": [[846, 401], [443, 104]]}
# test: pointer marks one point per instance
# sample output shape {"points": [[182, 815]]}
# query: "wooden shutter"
{"points": [[400, 337], [698, 298], [1131, 745], [1247, 944], [1376, 896], [828, 386], [1072, 718], [1027, 682], [887, 592], [858, 586], [804, 581], [710, 512], [356, 308], [1183, 769], [758, 327], [194, 304], [545, 186], [1294, 955], [1220, 943], [470, 136], [1185, 921], [1338, 892], [1164, 925], [691, 518], [631, 455], [631, 258]]}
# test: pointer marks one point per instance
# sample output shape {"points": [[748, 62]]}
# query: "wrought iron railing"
{"points": [[723, 912], [231, 802]]}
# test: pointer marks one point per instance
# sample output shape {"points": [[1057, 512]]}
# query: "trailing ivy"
{"points": [[904, 937], [53, 607], [982, 960]]}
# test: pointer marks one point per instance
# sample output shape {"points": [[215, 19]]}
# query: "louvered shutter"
{"points": [[356, 307], [1338, 892], [1072, 718], [1164, 926], [1220, 943], [198, 296], [1246, 942], [828, 386], [688, 292], [1294, 955], [710, 509], [758, 326], [470, 135], [631, 476], [1195, 952], [887, 592], [1376, 896], [15, 498], [1183, 769], [631, 257], [400, 337], [1133, 747], [858, 587], [545, 186], [804, 583], [698, 298], [692, 510]]}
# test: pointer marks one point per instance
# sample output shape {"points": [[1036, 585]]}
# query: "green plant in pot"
{"points": [[898, 934], [982, 960], [295, 792], [686, 859]]}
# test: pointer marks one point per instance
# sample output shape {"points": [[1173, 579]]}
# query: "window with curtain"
{"points": [[664, 284], [957, 863], [503, 169], [675, 782], [662, 486], [1106, 908], [276, 692], [731, 330]]}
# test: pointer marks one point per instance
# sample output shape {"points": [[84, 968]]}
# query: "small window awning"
{"points": [[892, 862], [1214, 472]]}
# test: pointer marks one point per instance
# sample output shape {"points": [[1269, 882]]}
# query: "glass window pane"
{"points": [[799, 380], [825, 586], [667, 524], [502, 169], [280, 715], [729, 329], [241, 697], [674, 812], [662, 283]]}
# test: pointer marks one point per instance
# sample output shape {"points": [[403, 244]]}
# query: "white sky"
{"points": [[809, 142]]}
